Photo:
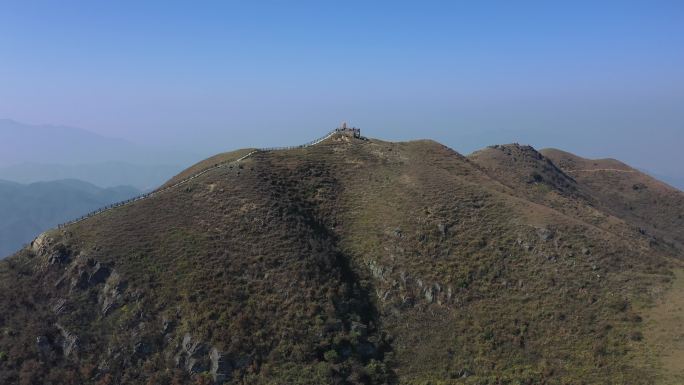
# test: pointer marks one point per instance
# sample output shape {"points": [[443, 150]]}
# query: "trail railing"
{"points": [[188, 179]]}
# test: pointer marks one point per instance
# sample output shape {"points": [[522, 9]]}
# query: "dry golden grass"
{"points": [[664, 333]]}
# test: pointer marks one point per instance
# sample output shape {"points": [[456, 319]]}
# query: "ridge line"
{"points": [[188, 179]]}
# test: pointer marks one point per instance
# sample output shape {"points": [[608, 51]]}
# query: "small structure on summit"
{"points": [[348, 131]]}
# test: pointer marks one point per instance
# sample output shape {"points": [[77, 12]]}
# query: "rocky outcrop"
{"points": [[52, 253], [196, 357], [221, 367], [41, 244], [112, 293], [192, 356], [70, 342], [98, 274], [84, 272], [59, 306]]}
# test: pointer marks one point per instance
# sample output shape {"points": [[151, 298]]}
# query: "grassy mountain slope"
{"points": [[655, 207], [352, 261]]}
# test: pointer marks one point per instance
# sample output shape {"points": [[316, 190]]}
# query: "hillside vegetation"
{"points": [[356, 261]]}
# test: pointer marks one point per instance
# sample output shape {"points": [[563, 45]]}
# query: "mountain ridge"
{"points": [[350, 261]]}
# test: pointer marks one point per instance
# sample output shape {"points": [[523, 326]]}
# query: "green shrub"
{"points": [[331, 356]]}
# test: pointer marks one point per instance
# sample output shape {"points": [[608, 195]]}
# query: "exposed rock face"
{"points": [[59, 306], [220, 367], [98, 275], [79, 280], [58, 257], [84, 272], [192, 356], [70, 342], [376, 270], [40, 244], [52, 253], [111, 295], [196, 357]]}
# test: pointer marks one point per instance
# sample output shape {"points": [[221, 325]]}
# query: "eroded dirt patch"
{"points": [[664, 333]]}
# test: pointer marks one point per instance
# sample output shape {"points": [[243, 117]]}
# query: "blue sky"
{"points": [[599, 78]]}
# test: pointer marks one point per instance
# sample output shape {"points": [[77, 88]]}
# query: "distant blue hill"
{"points": [[52, 144], [31, 153], [28, 210], [104, 174]]}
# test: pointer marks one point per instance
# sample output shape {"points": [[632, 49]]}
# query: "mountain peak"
{"points": [[344, 261]]}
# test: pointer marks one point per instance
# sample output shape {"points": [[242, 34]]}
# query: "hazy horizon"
{"points": [[597, 80]]}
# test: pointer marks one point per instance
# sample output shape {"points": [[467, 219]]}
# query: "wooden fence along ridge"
{"points": [[184, 181]]}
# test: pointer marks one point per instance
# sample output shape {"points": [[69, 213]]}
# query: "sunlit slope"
{"points": [[655, 207]]}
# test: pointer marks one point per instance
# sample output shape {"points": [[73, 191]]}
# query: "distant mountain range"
{"points": [[27, 210], [52, 144], [32, 153], [105, 174]]}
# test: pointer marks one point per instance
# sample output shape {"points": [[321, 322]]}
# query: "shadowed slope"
{"points": [[236, 261]]}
